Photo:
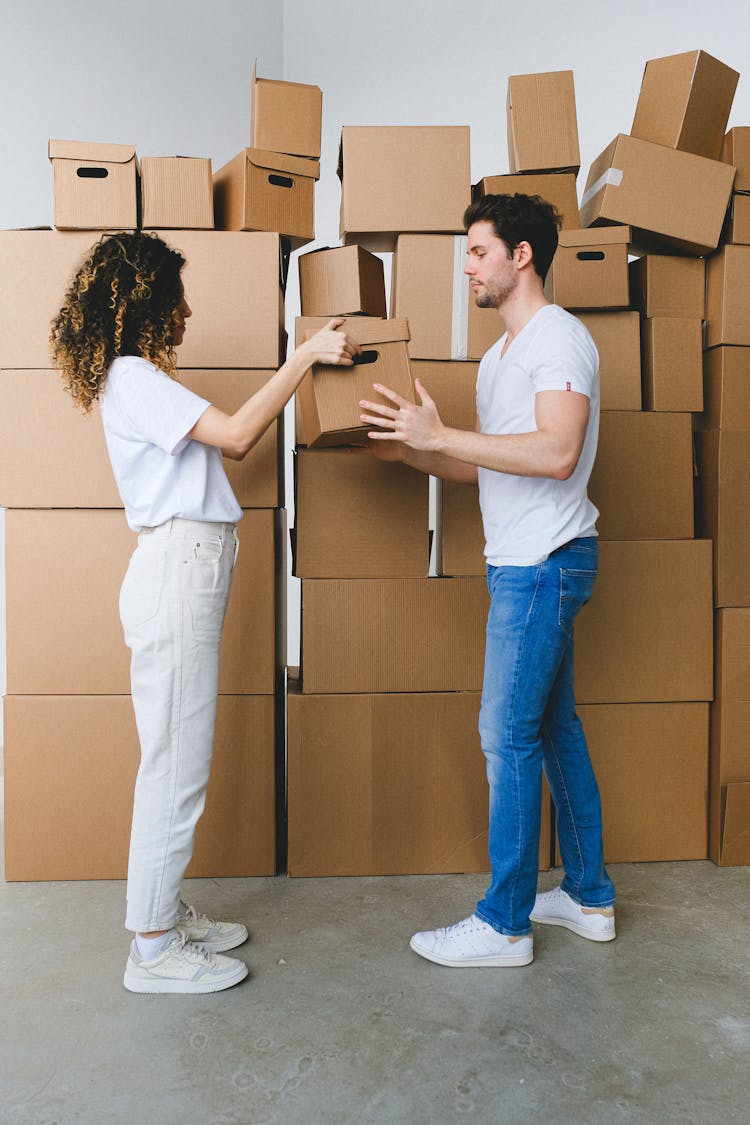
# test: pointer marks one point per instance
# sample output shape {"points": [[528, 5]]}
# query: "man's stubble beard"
{"points": [[495, 293]]}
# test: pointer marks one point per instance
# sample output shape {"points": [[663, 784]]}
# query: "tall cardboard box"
{"points": [[259, 190], [736, 150], [590, 269], [95, 185], [723, 502], [557, 188], [617, 336], [728, 297], [285, 116], [726, 390], [684, 103], [341, 281], [729, 809], [672, 364], [542, 124], [176, 193], [667, 285]]}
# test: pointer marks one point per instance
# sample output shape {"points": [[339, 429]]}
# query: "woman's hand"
{"points": [[331, 346]]}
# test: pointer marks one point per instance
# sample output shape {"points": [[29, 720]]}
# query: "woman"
{"points": [[113, 340]]}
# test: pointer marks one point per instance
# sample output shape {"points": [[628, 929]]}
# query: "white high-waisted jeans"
{"points": [[172, 606]]}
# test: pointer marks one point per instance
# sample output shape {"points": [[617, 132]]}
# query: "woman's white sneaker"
{"points": [[472, 943], [557, 908], [216, 937], [182, 966]]}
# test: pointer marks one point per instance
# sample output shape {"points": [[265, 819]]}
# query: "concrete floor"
{"points": [[339, 1022]]}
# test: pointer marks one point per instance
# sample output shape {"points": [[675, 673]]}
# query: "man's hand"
{"points": [[416, 426]]}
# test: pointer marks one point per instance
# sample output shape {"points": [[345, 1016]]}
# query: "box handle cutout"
{"points": [[591, 255], [281, 181], [370, 356], [92, 173]]}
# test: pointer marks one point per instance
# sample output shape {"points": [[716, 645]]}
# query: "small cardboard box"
{"points": [[684, 103], [70, 767], [285, 116], [672, 363], [590, 269], [736, 150], [726, 390], [666, 285], [617, 336], [341, 281], [262, 190], [402, 178], [393, 634], [557, 188], [176, 193], [95, 185], [728, 297], [670, 198], [430, 288], [329, 396], [737, 228], [729, 809], [723, 504], [357, 517], [542, 125]]}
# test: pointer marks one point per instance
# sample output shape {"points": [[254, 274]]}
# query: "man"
{"points": [[532, 454]]}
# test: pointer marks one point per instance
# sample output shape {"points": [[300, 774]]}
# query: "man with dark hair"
{"points": [[531, 454]]}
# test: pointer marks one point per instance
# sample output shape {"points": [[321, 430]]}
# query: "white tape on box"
{"points": [[611, 178], [460, 312]]}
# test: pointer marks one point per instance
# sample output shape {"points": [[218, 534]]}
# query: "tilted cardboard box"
{"points": [[176, 193], [723, 458], [728, 297], [341, 281], [557, 188], [726, 390], [285, 116], [542, 124], [672, 349], [259, 190], [617, 336], [95, 185], [729, 809], [667, 285], [590, 269]]}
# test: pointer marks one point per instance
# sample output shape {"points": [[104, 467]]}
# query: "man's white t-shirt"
{"points": [[159, 471], [526, 518]]}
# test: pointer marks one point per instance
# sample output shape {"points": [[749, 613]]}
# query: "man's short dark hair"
{"points": [[520, 218]]}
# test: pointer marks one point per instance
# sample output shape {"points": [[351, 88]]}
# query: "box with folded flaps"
{"points": [[542, 124], [285, 116], [176, 193], [95, 185], [341, 281], [590, 269], [557, 188], [260, 190]]}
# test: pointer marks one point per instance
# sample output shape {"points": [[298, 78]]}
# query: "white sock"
{"points": [[151, 947]]}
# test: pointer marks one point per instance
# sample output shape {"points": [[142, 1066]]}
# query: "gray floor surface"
{"points": [[339, 1022]]}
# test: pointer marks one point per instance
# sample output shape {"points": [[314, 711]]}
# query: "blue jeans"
{"points": [[527, 723]]}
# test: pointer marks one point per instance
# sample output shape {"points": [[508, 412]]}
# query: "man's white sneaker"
{"points": [[557, 908], [182, 966], [215, 937], [472, 943]]}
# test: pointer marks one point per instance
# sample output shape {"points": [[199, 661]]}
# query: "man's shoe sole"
{"points": [[503, 961], [582, 931], [139, 984]]}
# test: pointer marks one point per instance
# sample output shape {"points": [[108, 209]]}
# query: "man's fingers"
{"points": [[379, 408], [422, 392], [388, 393]]}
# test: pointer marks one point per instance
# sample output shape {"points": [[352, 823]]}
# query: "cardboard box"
{"points": [[86, 480], [176, 193], [267, 191], [672, 363], [430, 288], [617, 336], [453, 387], [542, 125], [684, 103], [343, 281], [393, 634], [651, 762], [357, 517], [723, 503], [669, 198], [726, 390], [389, 785], [665, 285], [646, 636], [728, 297], [729, 811], [95, 185], [590, 269], [460, 531], [64, 570], [558, 188], [329, 396], [736, 150], [737, 228], [402, 178], [70, 768], [285, 116], [635, 451]]}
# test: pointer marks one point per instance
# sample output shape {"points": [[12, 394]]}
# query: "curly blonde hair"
{"points": [[123, 300]]}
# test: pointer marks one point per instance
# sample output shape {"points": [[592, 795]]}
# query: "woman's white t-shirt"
{"points": [[526, 518], [159, 471]]}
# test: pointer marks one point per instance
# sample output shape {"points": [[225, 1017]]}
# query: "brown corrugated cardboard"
{"points": [[389, 784], [95, 185], [396, 634], [646, 636], [329, 396], [342, 281], [736, 825], [665, 285], [684, 103], [617, 336], [737, 229], [542, 125], [70, 766], [402, 178], [85, 480], [176, 193], [672, 363], [729, 813], [430, 288], [590, 269], [260, 190], [728, 297], [637, 450], [736, 150], [453, 387], [63, 574], [723, 504], [460, 531], [651, 762], [669, 198], [726, 390], [357, 517], [285, 116], [558, 188]]}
